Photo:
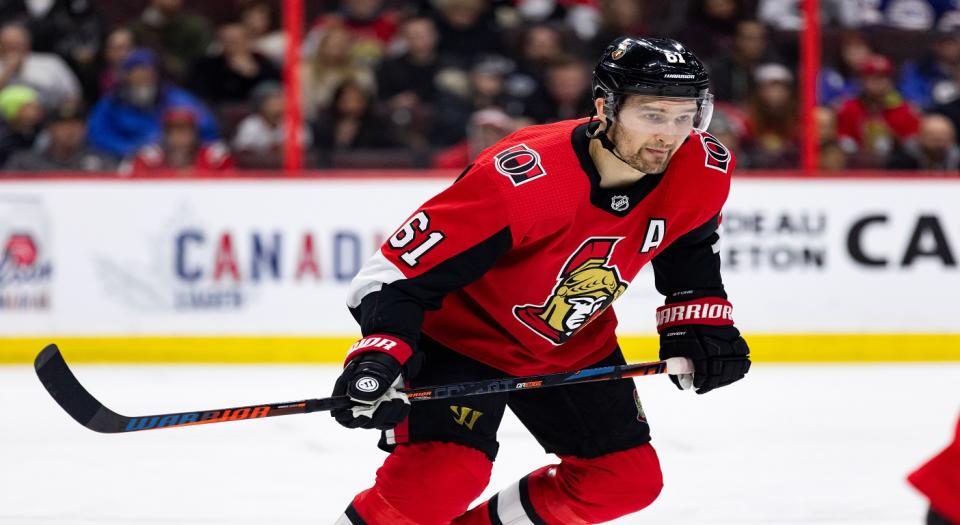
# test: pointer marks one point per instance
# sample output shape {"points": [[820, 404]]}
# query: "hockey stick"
{"points": [[67, 391]]}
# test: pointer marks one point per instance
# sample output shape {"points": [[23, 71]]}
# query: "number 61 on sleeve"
{"points": [[409, 232]]}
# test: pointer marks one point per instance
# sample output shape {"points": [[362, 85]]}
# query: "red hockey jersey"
{"points": [[517, 262]]}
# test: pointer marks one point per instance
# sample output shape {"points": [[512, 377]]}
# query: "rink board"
{"points": [[257, 270]]}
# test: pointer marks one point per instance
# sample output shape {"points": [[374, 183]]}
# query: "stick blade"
{"points": [[66, 390]]}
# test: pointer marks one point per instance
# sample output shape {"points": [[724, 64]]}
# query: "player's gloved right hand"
{"points": [[702, 330], [372, 377]]}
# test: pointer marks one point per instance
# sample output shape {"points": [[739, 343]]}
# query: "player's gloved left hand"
{"points": [[720, 356], [372, 379], [702, 331]]}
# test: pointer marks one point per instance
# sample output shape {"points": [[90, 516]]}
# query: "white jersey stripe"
{"points": [[375, 273], [510, 508], [344, 520], [390, 436]]}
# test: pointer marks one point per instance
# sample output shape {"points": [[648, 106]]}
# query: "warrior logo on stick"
{"points": [[586, 286]]}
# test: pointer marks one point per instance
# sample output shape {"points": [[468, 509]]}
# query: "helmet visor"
{"points": [[676, 116]]}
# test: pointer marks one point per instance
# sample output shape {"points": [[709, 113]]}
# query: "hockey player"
{"points": [[512, 270]]}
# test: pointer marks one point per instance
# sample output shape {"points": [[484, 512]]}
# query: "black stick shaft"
{"points": [[67, 391]]}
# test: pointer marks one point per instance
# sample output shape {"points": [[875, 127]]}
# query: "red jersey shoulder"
{"points": [[532, 153], [701, 171], [537, 173], [716, 156]]}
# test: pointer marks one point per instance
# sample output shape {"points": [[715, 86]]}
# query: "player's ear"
{"points": [[598, 104]]}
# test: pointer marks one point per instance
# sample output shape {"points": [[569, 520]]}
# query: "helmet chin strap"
{"points": [[601, 135]]}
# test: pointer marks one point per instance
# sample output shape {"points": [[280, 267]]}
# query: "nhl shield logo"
{"points": [[620, 202]]}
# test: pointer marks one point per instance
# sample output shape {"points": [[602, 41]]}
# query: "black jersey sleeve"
{"points": [[448, 243], [690, 267]]}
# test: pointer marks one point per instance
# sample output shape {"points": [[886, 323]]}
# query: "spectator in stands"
{"points": [[540, 46], [909, 15], [370, 24], [488, 85], [130, 116], [230, 75], [872, 123], [773, 119], [467, 30], [732, 73], [71, 29], [951, 108], [826, 121], [567, 93], [408, 83], [261, 136], [48, 74], [618, 18], [331, 64], [935, 148], [930, 81], [22, 120], [180, 150], [785, 15], [711, 27], [176, 35], [484, 129], [485, 87], [351, 123], [260, 20], [832, 156], [118, 47], [840, 82], [583, 16], [65, 147]]}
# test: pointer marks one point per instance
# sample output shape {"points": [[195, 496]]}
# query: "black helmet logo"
{"points": [[620, 50]]}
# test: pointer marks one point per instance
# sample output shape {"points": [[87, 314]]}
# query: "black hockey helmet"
{"points": [[651, 66]]}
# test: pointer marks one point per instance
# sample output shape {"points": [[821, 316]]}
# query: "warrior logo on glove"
{"points": [[367, 384], [586, 286]]}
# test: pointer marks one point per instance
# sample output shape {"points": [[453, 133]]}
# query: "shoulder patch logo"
{"points": [[717, 155], [520, 163]]}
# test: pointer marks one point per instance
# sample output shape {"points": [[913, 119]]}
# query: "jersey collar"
{"points": [[615, 201]]}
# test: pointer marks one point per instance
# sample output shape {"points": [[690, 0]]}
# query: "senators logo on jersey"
{"points": [[718, 157], [586, 286], [519, 163]]}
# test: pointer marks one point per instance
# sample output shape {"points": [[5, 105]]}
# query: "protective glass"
{"points": [[676, 116]]}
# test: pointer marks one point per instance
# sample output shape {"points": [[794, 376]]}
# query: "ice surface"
{"points": [[792, 444]]}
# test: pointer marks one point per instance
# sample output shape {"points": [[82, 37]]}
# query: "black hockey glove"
{"points": [[720, 356], [372, 378]]}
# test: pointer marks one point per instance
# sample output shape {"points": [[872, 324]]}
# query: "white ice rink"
{"points": [[797, 444]]}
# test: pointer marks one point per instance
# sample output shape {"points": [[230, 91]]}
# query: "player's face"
{"points": [[649, 130]]}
